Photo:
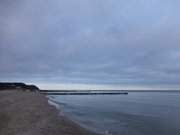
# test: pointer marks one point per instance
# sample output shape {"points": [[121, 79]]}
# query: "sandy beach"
{"points": [[28, 113]]}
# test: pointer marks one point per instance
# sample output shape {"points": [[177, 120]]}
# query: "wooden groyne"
{"points": [[74, 92]]}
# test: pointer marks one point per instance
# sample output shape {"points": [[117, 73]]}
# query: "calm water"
{"points": [[138, 113]]}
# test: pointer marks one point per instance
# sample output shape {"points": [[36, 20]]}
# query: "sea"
{"points": [[138, 113]]}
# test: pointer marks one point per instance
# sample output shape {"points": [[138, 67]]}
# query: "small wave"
{"points": [[57, 106]]}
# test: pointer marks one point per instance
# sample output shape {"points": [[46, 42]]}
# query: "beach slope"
{"points": [[28, 113]]}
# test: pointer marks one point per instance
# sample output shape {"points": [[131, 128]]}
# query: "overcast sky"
{"points": [[91, 44]]}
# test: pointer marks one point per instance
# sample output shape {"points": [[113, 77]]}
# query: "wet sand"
{"points": [[28, 113]]}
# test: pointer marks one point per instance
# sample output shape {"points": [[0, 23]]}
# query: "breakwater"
{"points": [[83, 92]]}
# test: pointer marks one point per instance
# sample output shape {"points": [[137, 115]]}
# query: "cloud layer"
{"points": [[91, 42]]}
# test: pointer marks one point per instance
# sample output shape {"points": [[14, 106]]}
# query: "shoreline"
{"points": [[60, 108], [24, 112]]}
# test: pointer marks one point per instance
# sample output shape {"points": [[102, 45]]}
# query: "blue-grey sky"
{"points": [[91, 44]]}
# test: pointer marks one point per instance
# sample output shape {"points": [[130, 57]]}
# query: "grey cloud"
{"points": [[90, 42]]}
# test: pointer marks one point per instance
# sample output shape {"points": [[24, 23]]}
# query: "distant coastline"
{"points": [[17, 86]]}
